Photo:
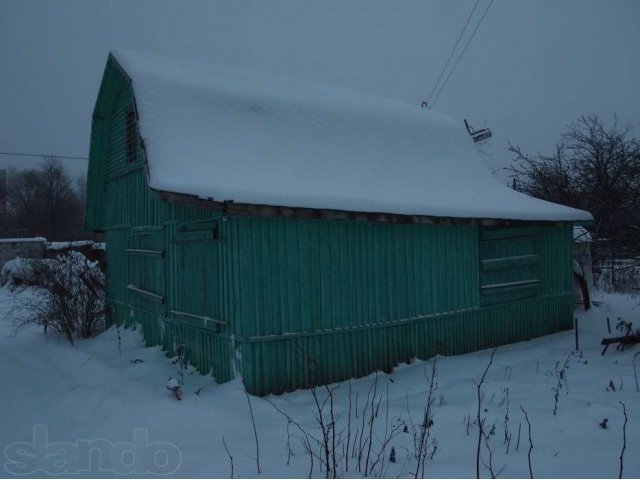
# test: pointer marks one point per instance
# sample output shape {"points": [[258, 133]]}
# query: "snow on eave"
{"points": [[254, 138], [70, 244]]}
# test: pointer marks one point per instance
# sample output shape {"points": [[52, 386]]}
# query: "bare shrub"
{"points": [[68, 296], [624, 438], [45, 202], [421, 436], [561, 375], [479, 418], [333, 439], [526, 416], [594, 167], [255, 432]]}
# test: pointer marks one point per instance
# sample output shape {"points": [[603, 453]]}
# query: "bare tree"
{"points": [[44, 202], [593, 168], [68, 296]]}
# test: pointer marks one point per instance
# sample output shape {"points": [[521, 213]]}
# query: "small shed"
{"points": [[296, 234]]}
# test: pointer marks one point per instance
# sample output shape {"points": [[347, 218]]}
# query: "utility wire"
{"points": [[462, 53], [452, 52], [43, 155]]}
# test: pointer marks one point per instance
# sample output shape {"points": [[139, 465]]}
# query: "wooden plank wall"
{"points": [[292, 302]]}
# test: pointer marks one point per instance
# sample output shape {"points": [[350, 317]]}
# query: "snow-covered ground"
{"points": [[103, 405]]}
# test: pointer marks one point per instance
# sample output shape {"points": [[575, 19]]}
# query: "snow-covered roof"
{"points": [[256, 138]]}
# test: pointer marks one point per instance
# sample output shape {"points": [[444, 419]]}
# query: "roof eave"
{"points": [[228, 207]]}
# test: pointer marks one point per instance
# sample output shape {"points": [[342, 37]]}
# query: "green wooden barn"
{"points": [[294, 234]]}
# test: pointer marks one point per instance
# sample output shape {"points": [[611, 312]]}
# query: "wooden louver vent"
{"points": [[131, 135], [198, 231], [509, 264]]}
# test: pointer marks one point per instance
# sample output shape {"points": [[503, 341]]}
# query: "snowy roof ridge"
{"points": [[256, 138]]}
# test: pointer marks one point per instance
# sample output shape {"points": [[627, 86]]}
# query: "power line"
{"points": [[43, 155], [452, 52], [462, 53]]}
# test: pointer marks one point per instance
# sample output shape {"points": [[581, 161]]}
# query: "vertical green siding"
{"points": [[146, 268], [309, 301], [289, 303], [557, 259], [295, 361], [308, 275], [509, 264], [207, 347], [117, 240], [211, 353], [335, 299], [196, 275], [114, 95]]}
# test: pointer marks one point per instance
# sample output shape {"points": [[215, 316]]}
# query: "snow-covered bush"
{"points": [[69, 295], [16, 272]]}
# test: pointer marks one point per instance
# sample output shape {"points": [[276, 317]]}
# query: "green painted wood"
{"points": [[383, 347], [307, 301], [324, 275], [488, 234], [510, 260], [506, 263]]}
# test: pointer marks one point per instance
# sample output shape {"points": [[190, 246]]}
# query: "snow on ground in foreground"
{"points": [[91, 391]]}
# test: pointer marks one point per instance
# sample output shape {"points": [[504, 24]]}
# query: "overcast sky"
{"points": [[532, 67]]}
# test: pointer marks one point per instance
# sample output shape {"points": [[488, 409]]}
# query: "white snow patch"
{"points": [[173, 384], [249, 137], [92, 391], [76, 243], [16, 269]]}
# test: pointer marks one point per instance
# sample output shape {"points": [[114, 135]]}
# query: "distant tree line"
{"points": [[44, 202], [593, 168]]}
